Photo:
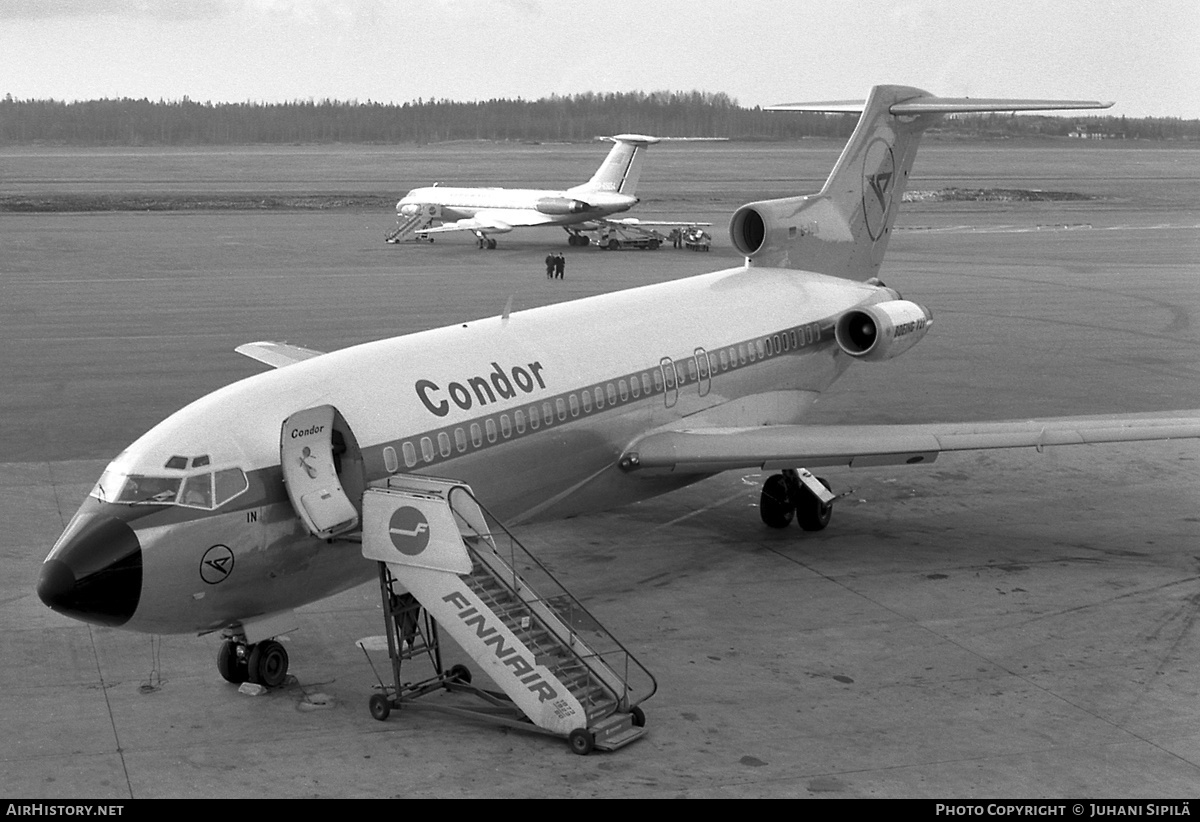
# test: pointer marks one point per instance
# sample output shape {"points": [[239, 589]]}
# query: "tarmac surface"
{"points": [[1004, 624]]}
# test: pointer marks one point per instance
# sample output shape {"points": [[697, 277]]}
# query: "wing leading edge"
{"points": [[788, 446], [276, 354]]}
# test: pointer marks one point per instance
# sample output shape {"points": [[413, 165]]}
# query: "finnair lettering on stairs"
{"points": [[522, 668]]}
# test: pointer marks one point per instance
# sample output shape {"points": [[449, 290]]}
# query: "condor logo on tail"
{"points": [[879, 172]]}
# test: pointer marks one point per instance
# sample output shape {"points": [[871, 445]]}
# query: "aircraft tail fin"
{"points": [[622, 168], [843, 229]]}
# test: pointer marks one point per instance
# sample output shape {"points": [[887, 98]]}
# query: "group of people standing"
{"points": [[556, 265]]}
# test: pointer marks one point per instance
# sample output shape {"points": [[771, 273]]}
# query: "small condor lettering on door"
{"points": [[480, 390]]}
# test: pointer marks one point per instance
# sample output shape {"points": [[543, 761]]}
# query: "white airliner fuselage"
{"points": [[436, 400], [551, 207]]}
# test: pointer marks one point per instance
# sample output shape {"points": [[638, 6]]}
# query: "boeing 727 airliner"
{"points": [[208, 522]]}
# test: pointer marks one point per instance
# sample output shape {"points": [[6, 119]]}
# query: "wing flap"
{"points": [[496, 221], [858, 446], [470, 224], [276, 354]]}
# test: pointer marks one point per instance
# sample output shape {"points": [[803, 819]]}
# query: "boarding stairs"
{"points": [[560, 671], [408, 228]]}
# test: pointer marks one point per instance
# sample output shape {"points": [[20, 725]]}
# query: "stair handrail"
{"points": [[627, 657]]}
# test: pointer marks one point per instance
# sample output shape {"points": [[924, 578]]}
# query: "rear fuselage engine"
{"points": [[883, 330], [561, 206]]}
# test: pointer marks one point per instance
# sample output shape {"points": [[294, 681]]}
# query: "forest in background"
{"points": [[581, 117]]}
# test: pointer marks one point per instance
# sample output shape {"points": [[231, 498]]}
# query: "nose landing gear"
{"points": [[264, 663], [796, 494]]}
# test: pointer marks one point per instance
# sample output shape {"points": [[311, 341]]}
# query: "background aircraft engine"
{"points": [[882, 331], [418, 210], [561, 205]]}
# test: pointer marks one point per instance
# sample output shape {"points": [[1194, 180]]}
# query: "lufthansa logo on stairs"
{"points": [[409, 530]]}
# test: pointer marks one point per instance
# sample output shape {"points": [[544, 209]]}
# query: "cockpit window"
{"points": [[229, 483], [177, 462], [208, 490], [197, 491], [139, 489]]}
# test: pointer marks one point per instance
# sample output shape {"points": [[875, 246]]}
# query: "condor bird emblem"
{"points": [[409, 530], [216, 564], [879, 174]]}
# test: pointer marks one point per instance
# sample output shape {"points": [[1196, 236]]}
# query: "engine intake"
{"points": [[748, 230], [404, 209], [883, 330]]}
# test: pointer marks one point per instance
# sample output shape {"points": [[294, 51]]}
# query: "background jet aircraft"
{"points": [[486, 211], [672, 383]]}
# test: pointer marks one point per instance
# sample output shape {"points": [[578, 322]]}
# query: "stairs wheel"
{"points": [[638, 716], [380, 707], [461, 674], [581, 741]]}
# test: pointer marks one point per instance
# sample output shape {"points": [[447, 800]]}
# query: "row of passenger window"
{"points": [[530, 418], [649, 383]]}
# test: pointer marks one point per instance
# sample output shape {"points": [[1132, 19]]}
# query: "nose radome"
{"points": [[94, 573]]}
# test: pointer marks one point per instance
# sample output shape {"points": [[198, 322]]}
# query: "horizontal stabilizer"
{"points": [[276, 354], [643, 139], [945, 105]]}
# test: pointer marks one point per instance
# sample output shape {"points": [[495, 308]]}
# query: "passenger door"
{"points": [[306, 452]]}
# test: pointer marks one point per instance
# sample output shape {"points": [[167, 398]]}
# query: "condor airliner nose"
{"points": [[94, 573]]}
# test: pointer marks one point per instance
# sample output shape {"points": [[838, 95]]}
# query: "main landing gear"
{"points": [[487, 242], [264, 663], [796, 494]]}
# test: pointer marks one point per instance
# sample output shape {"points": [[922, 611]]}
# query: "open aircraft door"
{"points": [[321, 468]]}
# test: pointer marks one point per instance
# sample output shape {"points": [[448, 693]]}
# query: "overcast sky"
{"points": [[1144, 54]]}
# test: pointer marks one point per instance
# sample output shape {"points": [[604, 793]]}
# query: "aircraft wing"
{"points": [[276, 354], [710, 450], [635, 222], [494, 222]]}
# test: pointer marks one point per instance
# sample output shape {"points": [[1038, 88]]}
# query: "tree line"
{"points": [[579, 117]]}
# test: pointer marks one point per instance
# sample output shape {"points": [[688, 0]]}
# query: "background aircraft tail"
{"points": [[843, 229], [621, 169]]}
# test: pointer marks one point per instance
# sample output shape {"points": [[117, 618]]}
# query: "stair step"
{"points": [[599, 713], [619, 740]]}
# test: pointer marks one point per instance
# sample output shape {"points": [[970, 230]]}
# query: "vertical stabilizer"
{"points": [[621, 169], [843, 230]]}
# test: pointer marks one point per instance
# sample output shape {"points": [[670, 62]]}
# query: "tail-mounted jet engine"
{"points": [[561, 205], [750, 227], [883, 330]]}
